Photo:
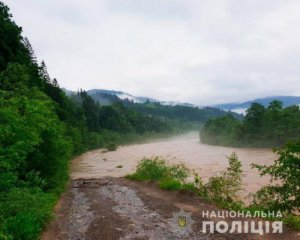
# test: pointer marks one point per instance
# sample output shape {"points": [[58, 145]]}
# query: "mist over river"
{"points": [[204, 159]]}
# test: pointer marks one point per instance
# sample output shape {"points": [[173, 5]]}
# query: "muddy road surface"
{"points": [[116, 208]]}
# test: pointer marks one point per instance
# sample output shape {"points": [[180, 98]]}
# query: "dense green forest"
{"points": [[178, 112], [41, 128], [262, 127], [184, 114]]}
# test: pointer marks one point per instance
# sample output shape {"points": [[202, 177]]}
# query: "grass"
{"points": [[170, 184], [292, 221], [25, 211]]}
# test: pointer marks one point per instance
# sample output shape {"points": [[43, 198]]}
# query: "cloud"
{"points": [[203, 52]]}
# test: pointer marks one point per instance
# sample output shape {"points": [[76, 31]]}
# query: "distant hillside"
{"points": [[107, 97], [165, 109], [179, 112], [242, 107], [119, 94]]}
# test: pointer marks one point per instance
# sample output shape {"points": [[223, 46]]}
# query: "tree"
{"points": [[12, 48], [44, 72], [262, 127], [254, 117], [30, 50], [284, 191], [221, 130]]}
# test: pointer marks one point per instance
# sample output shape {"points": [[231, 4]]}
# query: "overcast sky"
{"points": [[200, 51]]}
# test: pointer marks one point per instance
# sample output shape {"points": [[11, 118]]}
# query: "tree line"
{"points": [[271, 126], [178, 112]]}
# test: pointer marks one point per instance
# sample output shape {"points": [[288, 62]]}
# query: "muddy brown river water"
{"points": [[204, 159]]}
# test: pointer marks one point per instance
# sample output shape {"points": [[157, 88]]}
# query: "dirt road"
{"points": [[116, 208]]}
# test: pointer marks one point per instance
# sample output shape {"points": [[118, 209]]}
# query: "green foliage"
{"points": [[218, 131], [178, 112], [170, 184], [223, 188], [11, 47], [111, 146], [178, 171], [24, 212], [190, 186], [292, 221], [261, 127], [284, 191], [150, 169], [157, 169]]}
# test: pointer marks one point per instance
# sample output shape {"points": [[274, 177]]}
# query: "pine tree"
{"points": [[44, 72]]}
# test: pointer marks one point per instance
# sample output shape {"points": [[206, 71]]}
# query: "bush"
{"points": [[156, 169], [111, 146], [170, 184], [292, 221], [223, 189], [24, 212], [189, 187], [150, 169], [285, 194]]}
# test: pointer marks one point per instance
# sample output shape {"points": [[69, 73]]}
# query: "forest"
{"points": [[179, 112], [271, 126]]}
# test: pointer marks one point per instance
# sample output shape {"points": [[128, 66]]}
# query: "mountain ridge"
{"points": [[107, 97]]}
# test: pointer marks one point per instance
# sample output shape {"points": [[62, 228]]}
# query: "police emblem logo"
{"points": [[181, 221]]}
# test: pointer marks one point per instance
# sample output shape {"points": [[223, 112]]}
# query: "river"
{"points": [[204, 159]]}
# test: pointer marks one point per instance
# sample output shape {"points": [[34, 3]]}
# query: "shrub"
{"points": [[178, 171], [111, 146], [24, 212], [285, 194], [157, 169], [150, 169], [189, 186], [292, 221], [223, 189]]}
